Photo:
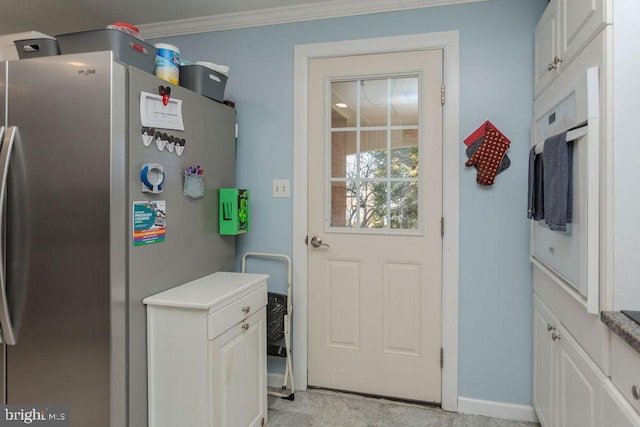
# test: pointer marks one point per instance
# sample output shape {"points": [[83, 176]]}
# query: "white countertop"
{"points": [[209, 291]]}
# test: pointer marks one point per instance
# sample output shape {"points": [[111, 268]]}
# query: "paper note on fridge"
{"points": [[153, 112]]}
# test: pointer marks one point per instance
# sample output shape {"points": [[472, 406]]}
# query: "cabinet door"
{"points": [[579, 385], [546, 47], [625, 369], [616, 411], [580, 21], [239, 369], [543, 364]]}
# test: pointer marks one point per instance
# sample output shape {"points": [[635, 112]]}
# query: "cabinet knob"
{"points": [[635, 391], [550, 327], [245, 326], [555, 336], [246, 309], [556, 60]]}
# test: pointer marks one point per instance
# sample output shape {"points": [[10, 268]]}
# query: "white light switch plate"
{"points": [[281, 188]]}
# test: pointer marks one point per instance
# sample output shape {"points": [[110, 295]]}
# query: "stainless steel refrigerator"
{"points": [[73, 322]]}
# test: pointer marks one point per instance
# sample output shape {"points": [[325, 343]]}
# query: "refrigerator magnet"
{"points": [[147, 135], [149, 222], [152, 177]]}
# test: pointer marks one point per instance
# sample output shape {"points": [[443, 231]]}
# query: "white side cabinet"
{"points": [[207, 352], [564, 30]]}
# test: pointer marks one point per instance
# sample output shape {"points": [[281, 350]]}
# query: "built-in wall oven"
{"points": [[571, 257]]}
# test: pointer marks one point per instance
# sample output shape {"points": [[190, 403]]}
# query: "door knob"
{"points": [[316, 242]]}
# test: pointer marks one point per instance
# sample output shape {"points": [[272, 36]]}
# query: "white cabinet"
{"points": [[567, 384], [625, 371], [616, 411], [546, 48], [579, 21], [544, 363], [564, 30], [238, 375], [207, 353], [579, 385]]}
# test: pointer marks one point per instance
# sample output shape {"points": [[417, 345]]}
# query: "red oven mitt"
{"points": [[488, 157]]}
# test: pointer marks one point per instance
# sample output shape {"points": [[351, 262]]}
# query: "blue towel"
{"points": [[557, 181], [535, 204]]}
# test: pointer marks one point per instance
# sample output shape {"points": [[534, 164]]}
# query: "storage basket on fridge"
{"points": [[126, 48]]}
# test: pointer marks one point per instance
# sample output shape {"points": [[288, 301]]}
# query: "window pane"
{"points": [[404, 101], [344, 204], [343, 146], [374, 99], [343, 104], [373, 154], [404, 154], [339, 202], [404, 205], [373, 204]]}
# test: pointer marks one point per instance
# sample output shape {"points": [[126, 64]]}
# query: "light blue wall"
{"points": [[496, 60]]}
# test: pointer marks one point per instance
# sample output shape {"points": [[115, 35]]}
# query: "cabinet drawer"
{"points": [[235, 312], [625, 371]]}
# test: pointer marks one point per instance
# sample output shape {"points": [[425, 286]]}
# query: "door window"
{"points": [[375, 154]]}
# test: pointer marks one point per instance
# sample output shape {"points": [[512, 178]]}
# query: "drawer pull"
{"points": [[245, 326], [635, 391], [246, 309]]}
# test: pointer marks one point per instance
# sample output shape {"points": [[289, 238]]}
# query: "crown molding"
{"points": [[283, 15]]}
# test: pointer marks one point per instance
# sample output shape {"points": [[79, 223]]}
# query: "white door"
{"points": [[375, 204]]}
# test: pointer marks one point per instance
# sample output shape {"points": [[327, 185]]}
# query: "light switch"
{"points": [[281, 188]]}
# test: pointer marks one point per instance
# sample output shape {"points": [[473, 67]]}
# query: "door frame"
{"points": [[449, 42]]}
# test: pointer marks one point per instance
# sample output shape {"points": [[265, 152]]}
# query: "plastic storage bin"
{"points": [[35, 48], [203, 80], [8, 47], [125, 47]]}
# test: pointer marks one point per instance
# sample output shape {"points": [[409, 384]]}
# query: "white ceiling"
{"points": [[172, 17]]}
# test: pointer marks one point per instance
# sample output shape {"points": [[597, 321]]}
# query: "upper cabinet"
{"points": [[565, 29], [546, 47]]}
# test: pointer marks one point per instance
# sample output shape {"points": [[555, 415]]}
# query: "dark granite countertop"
{"points": [[622, 326]]}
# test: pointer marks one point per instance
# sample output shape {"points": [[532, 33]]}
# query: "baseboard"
{"points": [[504, 410]]}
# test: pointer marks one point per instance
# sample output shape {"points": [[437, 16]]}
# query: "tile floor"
{"points": [[323, 408]]}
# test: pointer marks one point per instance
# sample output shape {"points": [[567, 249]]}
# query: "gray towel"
{"points": [[535, 204], [557, 181]]}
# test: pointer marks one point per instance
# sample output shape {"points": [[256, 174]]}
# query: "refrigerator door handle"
{"points": [[5, 156]]}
